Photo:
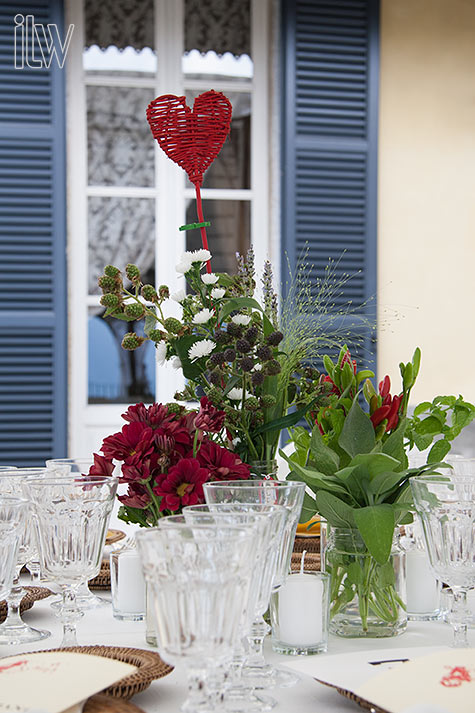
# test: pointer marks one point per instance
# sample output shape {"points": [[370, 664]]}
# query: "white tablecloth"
{"points": [[167, 694]]}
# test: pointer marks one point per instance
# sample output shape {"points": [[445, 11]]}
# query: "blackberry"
{"points": [[217, 359], [243, 346], [131, 341], [275, 338], [267, 401], [132, 272], [156, 335], [222, 337], [149, 293], [230, 354], [251, 404], [264, 352], [252, 334], [246, 363], [272, 367], [134, 311], [110, 300], [215, 377], [164, 292], [235, 330], [111, 271], [107, 284], [257, 378], [172, 325]]}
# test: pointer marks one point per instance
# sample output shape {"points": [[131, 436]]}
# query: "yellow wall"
{"points": [[426, 260]]}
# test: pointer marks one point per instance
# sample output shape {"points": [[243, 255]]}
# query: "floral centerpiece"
{"points": [[355, 462], [166, 453]]}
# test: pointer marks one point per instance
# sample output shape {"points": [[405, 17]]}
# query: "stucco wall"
{"points": [[426, 253]]}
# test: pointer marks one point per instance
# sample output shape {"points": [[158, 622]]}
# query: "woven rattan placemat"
{"points": [[311, 562], [103, 579], [106, 704], [33, 594], [150, 667]]}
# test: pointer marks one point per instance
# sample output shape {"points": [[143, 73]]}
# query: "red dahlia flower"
{"points": [[220, 463], [182, 485], [102, 466], [124, 444]]}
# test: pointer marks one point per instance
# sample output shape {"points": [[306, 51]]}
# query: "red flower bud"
{"points": [[385, 386], [379, 415]]}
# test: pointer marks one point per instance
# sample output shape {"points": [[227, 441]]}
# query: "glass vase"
{"points": [[264, 469], [366, 598], [150, 630]]}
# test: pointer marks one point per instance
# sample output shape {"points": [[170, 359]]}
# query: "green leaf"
{"points": [[328, 364], [422, 407], [191, 370], [364, 374], [285, 421], [385, 576], [326, 459], [423, 442], [438, 451], [315, 479], [394, 444], [375, 463], [149, 323], [385, 483], [134, 516], [416, 362], [357, 435], [309, 507], [429, 425], [334, 510], [355, 573], [407, 377], [235, 304], [376, 526]]}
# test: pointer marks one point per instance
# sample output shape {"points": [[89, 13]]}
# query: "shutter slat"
{"points": [[32, 250]]}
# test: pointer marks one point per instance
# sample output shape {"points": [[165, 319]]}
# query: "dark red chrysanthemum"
{"points": [[209, 418], [124, 444], [220, 463], [182, 485], [102, 465], [136, 496], [137, 412]]}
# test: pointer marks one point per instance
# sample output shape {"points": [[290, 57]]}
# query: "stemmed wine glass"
{"points": [[288, 494], [266, 522], [14, 630], [446, 505], [71, 466], [73, 515], [13, 513], [199, 576]]}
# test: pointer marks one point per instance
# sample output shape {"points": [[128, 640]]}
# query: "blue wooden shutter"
{"points": [[330, 112], [32, 249]]}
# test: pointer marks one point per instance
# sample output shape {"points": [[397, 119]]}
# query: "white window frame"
{"points": [[88, 424]]}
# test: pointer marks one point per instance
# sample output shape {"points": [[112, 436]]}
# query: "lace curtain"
{"points": [[218, 25]]}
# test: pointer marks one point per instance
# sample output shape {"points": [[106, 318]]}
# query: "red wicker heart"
{"points": [[191, 138]]}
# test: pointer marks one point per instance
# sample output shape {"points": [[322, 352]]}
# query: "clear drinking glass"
{"points": [[66, 466], [72, 515], [267, 522], [199, 576], [13, 513], [446, 505], [14, 630], [288, 494]]}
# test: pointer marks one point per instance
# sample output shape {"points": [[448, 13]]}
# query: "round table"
{"points": [[166, 695]]}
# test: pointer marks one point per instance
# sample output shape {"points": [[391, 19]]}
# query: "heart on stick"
{"points": [[191, 138]]}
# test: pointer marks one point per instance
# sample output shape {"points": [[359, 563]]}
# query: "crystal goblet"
{"points": [[13, 513], [199, 576], [14, 630], [72, 515], [446, 505], [70, 466], [288, 494], [267, 522]]}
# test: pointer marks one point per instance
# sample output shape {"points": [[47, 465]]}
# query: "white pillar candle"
{"points": [[130, 583], [300, 610], [422, 588]]}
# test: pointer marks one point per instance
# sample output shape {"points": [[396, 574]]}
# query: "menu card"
{"points": [[54, 681], [445, 679]]}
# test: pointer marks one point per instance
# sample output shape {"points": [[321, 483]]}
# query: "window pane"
{"points": [[232, 166], [119, 141], [120, 230], [114, 374], [224, 27], [228, 234]]}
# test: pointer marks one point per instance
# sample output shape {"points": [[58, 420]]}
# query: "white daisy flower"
{"points": [[200, 255], [200, 349], [184, 265], [217, 293], [242, 319], [257, 367], [178, 296], [235, 394], [203, 316], [209, 278], [161, 353], [235, 441], [176, 363]]}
